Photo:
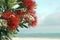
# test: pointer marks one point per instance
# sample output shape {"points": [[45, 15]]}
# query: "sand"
{"points": [[36, 38]]}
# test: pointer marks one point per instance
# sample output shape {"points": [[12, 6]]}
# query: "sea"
{"points": [[39, 35]]}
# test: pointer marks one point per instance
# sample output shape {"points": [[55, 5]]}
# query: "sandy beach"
{"points": [[36, 39]]}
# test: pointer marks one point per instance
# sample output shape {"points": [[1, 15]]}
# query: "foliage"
{"points": [[15, 14]]}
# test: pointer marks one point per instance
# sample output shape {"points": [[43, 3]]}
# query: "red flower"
{"points": [[11, 28], [30, 19], [26, 18], [34, 23], [13, 22], [7, 14], [30, 12], [20, 12], [29, 4]]}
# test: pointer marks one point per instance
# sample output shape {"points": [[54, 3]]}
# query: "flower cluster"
{"points": [[21, 16], [12, 20], [30, 4]]}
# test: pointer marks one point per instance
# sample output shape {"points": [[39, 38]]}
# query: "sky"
{"points": [[48, 16]]}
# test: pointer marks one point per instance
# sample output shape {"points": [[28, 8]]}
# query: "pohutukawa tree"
{"points": [[15, 14]]}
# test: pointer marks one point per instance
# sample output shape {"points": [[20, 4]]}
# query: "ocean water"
{"points": [[39, 35]]}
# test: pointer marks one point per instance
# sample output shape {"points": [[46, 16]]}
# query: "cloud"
{"points": [[53, 19]]}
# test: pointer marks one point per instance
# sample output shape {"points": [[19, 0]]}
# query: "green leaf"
{"points": [[2, 1], [1, 8], [6, 5], [23, 9], [12, 1], [17, 29], [25, 26], [21, 25]]}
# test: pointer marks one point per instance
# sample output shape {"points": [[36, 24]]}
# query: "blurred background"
{"points": [[48, 16]]}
